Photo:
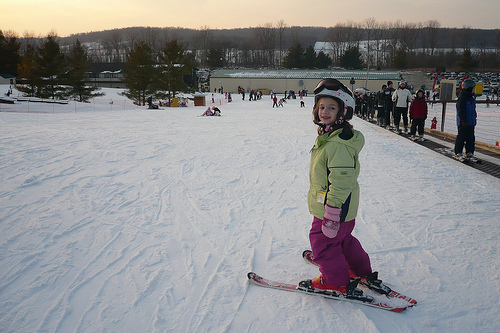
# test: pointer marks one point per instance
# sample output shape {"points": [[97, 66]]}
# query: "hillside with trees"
{"points": [[161, 60]]}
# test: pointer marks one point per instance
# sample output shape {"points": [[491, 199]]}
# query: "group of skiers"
{"points": [[396, 103], [253, 94], [400, 101]]}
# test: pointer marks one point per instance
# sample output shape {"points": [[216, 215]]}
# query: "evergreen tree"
{"points": [[174, 65], [351, 59], [310, 59], [400, 59], [191, 79], [215, 58], [27, 73], [78, 63], [140, 73], [323, 60], [467, 61], [294, 58], [50, 67], [9, 55]]}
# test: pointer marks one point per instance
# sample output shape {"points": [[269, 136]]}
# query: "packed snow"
{"points": [[123, 219]]}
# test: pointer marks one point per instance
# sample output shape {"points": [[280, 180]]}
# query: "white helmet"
{"points": [[335, 89]]}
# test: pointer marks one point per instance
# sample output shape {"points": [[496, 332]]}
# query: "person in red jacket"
{"points": [[434, 123], [418, 114]]}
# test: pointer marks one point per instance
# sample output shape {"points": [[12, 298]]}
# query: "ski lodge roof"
{"points": [[280, 80], [305, 74]]}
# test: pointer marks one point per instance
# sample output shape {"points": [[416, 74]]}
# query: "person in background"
{"points": [[275, 101], [466, 122], [418, 114], [381, 106], [389, 104], [402, 98], [434, 123]]}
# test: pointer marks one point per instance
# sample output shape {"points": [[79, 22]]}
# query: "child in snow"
{"points": [[216, 111], [418, 114], [434, 123], [208, 112], [333, 196], [275, 101]]}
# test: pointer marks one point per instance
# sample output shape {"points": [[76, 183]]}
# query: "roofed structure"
{"points": [[282, 80]]}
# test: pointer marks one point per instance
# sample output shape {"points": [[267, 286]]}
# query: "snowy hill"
{"points": [[148, 221]]}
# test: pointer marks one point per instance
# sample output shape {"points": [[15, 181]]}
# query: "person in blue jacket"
{"points": [[466, 121]]}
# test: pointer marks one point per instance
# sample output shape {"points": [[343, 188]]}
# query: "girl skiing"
{"points": [[334, 191]]}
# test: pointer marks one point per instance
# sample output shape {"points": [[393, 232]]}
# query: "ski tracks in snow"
{"points": [[149, 221]]}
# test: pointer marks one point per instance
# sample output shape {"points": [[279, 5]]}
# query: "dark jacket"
{"points": [[388, 98], [466, 109]]}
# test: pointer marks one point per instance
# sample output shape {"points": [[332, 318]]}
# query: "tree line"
{"points": [[46, 71], [391, 45], [386, 45], [56, 67]]}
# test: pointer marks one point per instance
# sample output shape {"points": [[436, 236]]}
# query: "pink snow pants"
{"points": [[337, 256]]}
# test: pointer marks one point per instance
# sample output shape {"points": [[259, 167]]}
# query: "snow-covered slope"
{"points": [[148, 221]]}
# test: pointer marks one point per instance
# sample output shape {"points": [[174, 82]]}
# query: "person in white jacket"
{"points": [[401, 98]]}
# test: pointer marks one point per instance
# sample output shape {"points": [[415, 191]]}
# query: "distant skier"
{"points": [[275, 101]]}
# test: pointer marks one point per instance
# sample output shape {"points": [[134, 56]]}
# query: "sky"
{"points": [[66, 17]]}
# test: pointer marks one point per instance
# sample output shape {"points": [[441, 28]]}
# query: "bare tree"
{"points": [[115, 45], [378, 43], [370, 24], [151, 36], [431, 32], [266, 37], [281, 27], [29, 38], [464, 37], [393, 42], [407, 36], [343, 36], [132, 38], [295, 31], [202, 42], [334, 37]]}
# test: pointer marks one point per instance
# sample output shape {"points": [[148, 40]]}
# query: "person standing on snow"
{"points": [[389, 104], [333, 196], [275, 101], [381, 106], [418, 114], [401, 97], [466, 121]]}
